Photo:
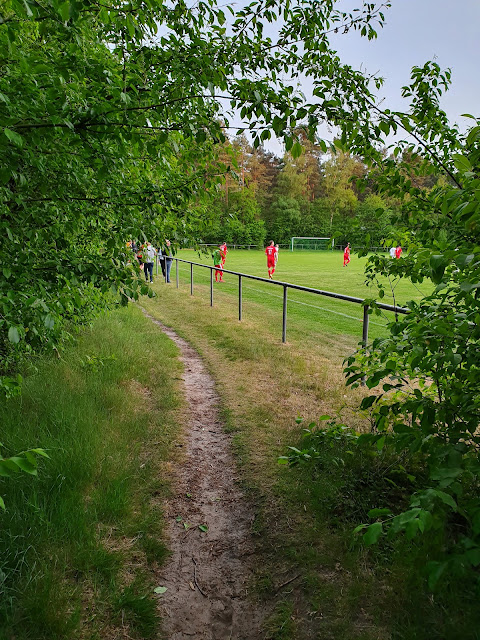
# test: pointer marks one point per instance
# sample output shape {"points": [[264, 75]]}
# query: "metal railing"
{"points": [[286, 286]]}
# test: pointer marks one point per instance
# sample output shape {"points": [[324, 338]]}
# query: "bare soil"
{"points": [[209, 572]]}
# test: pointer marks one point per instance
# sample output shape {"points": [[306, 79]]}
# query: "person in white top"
{"points": [[149, 254]]}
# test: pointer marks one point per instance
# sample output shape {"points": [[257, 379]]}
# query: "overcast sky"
{"points": [[417, 31]]}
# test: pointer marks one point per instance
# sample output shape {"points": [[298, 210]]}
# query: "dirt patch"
{"points": [[209, 526]]}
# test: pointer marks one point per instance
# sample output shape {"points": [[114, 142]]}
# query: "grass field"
{"points": [[79, 544], [307, 312]]}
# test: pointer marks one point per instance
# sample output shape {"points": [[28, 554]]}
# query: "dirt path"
{"points": [[208, 574]]}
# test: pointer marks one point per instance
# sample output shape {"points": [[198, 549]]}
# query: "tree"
{"points": [[111, 119]]}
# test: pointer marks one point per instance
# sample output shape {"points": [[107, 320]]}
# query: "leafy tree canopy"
{"points": [[111, 121]]}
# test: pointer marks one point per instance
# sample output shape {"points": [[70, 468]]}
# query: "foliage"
{"points": [[238, 221], [429, 397], [111, 130], [25, 461]]}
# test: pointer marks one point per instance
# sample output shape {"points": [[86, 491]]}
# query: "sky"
{"points": [[417, 31]]}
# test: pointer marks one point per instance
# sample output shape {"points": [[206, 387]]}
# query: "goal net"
{"points": [[310, 244]]}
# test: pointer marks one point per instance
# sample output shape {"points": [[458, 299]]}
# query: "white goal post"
{"points": [[311, 243]]}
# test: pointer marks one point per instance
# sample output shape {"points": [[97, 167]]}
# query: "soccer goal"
{"points": [[311, 244]]}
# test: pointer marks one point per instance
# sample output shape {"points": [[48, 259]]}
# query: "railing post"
{"points": [[284, 329], [240, 298], [366, 317], [211, 287], [176, 270], [191, 279], [365, 334]]}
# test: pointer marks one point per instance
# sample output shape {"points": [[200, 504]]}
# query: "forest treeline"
{"points": [[317, 194]]}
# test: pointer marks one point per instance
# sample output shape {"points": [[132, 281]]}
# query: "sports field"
{"points": [[307, 313]]}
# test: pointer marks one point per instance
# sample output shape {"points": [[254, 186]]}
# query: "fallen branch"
{"points": [[195, 578], [284, 584]]}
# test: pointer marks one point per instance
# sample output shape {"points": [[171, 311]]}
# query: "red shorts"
{"points": [[270, 262]]}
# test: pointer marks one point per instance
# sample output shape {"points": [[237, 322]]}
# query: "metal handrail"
{"points": [[286, 286]]}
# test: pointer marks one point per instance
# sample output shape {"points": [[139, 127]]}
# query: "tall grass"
{"points": [[106, 414]]}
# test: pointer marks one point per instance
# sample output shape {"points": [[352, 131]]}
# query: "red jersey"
{"points": [[270, 251]]}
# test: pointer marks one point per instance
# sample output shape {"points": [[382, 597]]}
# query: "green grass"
{"points": [[306, 312], [304, 518], [106, 413]]}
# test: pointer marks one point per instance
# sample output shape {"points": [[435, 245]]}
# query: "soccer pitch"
{"points": [[306, 312]]}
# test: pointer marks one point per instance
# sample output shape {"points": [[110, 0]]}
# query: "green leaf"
{"points": [[373, 533], [2, 503], [13, 335], [25, 465], [40, 452], [461, 163], [446, 499], [367, 402], [14, 137], [64, 11], [296, 150], [203, 527], [159, 590], [359, 528]]}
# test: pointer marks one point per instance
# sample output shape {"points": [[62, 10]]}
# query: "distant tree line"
{"points": [[319, 194]]}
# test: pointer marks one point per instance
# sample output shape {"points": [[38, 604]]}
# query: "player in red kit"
{"points": [[398, 252], [270, 251], [346, 255], [224, 250]]}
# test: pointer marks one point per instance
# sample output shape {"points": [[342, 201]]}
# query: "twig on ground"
{"points": [[195, 578], [284, 584]]}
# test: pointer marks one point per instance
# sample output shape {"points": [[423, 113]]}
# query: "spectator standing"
{"points": [[276, 254], [392, 252], [168, 259], [161, 259], [148, 256]]}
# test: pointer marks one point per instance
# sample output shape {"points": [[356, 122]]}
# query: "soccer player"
{"points": [[346, 255], [398, 252], [224, 251], [217, 263], [270, 251]]}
